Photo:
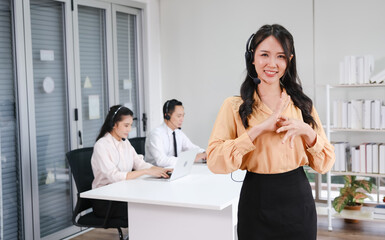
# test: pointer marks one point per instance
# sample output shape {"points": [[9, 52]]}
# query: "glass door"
{"points": [[92, 21], [49, 114], [10, 195], [128, 73]]}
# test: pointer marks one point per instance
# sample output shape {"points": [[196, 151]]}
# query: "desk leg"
{"points": [[146, 221]]}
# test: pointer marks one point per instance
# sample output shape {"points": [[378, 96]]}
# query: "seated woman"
{"points": [[114, 159]]}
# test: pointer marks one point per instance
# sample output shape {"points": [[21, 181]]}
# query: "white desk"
{"points": [[201, 206]]}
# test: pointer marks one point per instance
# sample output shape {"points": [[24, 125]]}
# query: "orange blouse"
{"points": [[230, 147]]}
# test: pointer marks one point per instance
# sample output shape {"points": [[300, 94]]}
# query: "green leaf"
{"points": [[340, 202], [359, 197], [346, 191], [348, 180], [364, 184]]}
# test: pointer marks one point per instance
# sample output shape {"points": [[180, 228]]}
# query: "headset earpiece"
{"points": [[166, 115], [249, 57]]}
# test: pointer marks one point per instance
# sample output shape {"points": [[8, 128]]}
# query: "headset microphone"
{"points": [[173, 124], [249, 57], [123, 139], [256, 80]]}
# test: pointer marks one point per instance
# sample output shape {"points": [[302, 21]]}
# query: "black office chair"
{"points": [[138, 143], [79, 161]]}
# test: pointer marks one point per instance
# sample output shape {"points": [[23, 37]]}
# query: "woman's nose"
{"points": [[272, 62]]}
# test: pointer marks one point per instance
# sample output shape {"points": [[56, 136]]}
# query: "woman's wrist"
{"points": [[255, 131], [310, 136]]}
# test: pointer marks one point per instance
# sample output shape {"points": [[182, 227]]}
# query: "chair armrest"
{"points": [[78, 209]]}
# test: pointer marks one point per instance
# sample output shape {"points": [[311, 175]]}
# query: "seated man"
{"points": [[164, 143]]}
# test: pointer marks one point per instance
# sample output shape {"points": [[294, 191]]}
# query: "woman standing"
{"points": [[272, 130], [114, 159]]}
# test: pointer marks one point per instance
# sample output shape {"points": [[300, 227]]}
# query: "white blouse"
{"points": [[113, 159]]}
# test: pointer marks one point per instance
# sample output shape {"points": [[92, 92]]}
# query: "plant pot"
{"points": [[355, 208]]}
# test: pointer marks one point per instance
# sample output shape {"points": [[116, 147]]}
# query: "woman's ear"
{"points": [[291, 56]]}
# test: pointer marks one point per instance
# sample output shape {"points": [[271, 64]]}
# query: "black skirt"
{"points": [[277, 206]]}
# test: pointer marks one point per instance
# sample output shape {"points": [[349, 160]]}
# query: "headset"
{"points": [[112, 119], [249, 57], [113, 116], [166, 115]]}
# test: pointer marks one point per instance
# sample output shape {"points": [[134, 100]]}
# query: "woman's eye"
{"points": [[264, 55], [282, 56]]}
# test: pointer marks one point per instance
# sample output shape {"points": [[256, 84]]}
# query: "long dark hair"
{"points": [[114, 115], [290, 80]]}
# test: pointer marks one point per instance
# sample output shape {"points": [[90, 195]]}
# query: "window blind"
{"points": [[128, 63], [10, 204], [93, 71]]}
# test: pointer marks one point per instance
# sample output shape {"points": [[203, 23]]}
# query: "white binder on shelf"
{"points": [[369, 158], [363, 157], [376, 114], [367, 114], [378, 78], [368, 67], [356, 114], [382, 117], [381, 156], [376, 164]]}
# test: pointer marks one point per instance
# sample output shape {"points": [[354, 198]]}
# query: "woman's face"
{"points": [[270, 60], [123, 127]]}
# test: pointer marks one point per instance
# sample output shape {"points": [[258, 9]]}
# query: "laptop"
{"points": [[182, 167]]}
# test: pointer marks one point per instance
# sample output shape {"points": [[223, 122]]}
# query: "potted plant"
{"points": [[349, 194]]}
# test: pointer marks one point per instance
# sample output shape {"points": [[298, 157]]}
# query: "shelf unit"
{"points": [[357, 130], [365, 214]]}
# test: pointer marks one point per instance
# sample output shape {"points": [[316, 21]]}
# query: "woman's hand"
{"points": [[158, 172], [270, 124], [295, 127]]}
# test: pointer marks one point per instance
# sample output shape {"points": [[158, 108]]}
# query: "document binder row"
{"points": [[359, 114], [365, 158], [356, 69]]}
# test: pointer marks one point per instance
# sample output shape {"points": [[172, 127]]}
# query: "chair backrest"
{"points": [[138, 144], [79, 161]]}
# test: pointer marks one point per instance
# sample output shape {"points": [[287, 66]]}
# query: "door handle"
{"points": [[144, 120], [80, 138]]}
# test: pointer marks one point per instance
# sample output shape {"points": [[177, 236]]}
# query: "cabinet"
{"points": [[353, 136]]}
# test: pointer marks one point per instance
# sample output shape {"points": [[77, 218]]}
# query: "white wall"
{"points": [[203, 45], [153, 80], [345, 27]]}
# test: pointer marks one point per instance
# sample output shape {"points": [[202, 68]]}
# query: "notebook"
{"points": [[182, 167]]}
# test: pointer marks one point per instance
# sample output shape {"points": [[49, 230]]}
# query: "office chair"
{"points": [[138, 143], [79, 161]]}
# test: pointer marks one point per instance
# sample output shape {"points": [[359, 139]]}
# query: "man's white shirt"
{"points": [[160, 146]]}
